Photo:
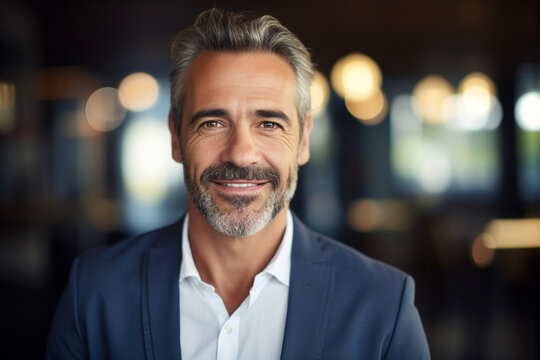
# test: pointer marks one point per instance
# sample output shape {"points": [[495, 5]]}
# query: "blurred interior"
{"points": [[425, 151]]}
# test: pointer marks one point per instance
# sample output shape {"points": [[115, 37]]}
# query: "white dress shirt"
{"points": [[255, 330]]}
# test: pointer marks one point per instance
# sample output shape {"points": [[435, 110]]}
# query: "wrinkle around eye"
{"points": [[280, 135]]}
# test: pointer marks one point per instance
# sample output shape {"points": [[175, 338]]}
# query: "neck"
{"points": [[230, 264]]}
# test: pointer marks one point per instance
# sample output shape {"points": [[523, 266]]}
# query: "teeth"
{"points": [[240, 185]]}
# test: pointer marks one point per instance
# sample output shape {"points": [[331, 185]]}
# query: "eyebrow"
{"points": [[274, 114], [207, 113]]}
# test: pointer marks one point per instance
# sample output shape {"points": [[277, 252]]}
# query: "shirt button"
{"points": [[228, 329], [202, 287]]}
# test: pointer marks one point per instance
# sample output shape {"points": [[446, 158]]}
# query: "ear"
{"points": [[175, 141], [303, 151]]}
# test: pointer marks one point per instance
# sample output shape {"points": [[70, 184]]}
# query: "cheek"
{"points": [[195, 149], [192, 163], [283, 146], [199, 155], [281, 157]]}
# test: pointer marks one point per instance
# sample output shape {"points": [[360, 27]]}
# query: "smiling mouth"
{"points": [[231, 179], [240, 184]]}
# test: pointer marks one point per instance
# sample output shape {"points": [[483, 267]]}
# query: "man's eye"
{"points": [[211, 124], [269, 125]]}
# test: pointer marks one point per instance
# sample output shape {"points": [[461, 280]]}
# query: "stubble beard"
{"points": [[242, 218]]}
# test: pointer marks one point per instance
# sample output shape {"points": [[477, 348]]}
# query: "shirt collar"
{"points": [[279, 267], [187, 267]]}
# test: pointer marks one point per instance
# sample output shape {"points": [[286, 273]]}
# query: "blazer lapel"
{"points": [[161, 313], [310, 294]]}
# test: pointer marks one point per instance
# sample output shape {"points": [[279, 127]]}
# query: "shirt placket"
{"points": [[228, 339]]}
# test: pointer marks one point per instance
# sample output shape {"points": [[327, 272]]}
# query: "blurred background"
{"points": [[425, 150]]}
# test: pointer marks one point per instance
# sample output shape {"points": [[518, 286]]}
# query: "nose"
{"points": [[241, 149]]}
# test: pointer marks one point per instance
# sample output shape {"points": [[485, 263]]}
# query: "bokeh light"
{"points": [[464, 115], [7, 107], [482, 255], [478, 91], [435, 171], [320, 138], [320, 93], [429, 97], [406, 140], [147, 166], [527, 111], [513, 233], [365, 215], [138, 91], [370, 111], [403, 119], [356, 77], [103, 109], [476, 106]]}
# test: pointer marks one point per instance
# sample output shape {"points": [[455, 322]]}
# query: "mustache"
{"points": [[229, 171]]}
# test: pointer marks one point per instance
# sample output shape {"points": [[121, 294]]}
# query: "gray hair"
{"points": [[217, 30]]}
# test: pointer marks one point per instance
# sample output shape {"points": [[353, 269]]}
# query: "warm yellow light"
{"points": [[508, 234], [481, 254], [478, 91], [356, 77], [103, 109], [138, 91], [479, 83], [429, 97], [320, 93], [7, 107], [370, 111], [527, 111], [366, 215]]}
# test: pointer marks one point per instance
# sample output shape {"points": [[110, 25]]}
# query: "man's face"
{"points": [[240, 139]]}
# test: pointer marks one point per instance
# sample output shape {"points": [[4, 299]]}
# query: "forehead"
{"points": [[225, 76]]}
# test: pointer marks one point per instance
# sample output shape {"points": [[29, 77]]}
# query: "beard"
{"points": [[242, 218]]}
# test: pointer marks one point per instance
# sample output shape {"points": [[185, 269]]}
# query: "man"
{"points": [[239, 277]]}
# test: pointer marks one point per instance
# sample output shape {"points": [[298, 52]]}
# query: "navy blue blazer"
{"points": [[122, 302]]}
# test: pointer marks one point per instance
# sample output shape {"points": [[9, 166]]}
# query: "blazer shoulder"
{"points": [[349, 264], [370, 304]]}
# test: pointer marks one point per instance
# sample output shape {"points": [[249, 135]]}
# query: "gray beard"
{"points": [[241, 221]]}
